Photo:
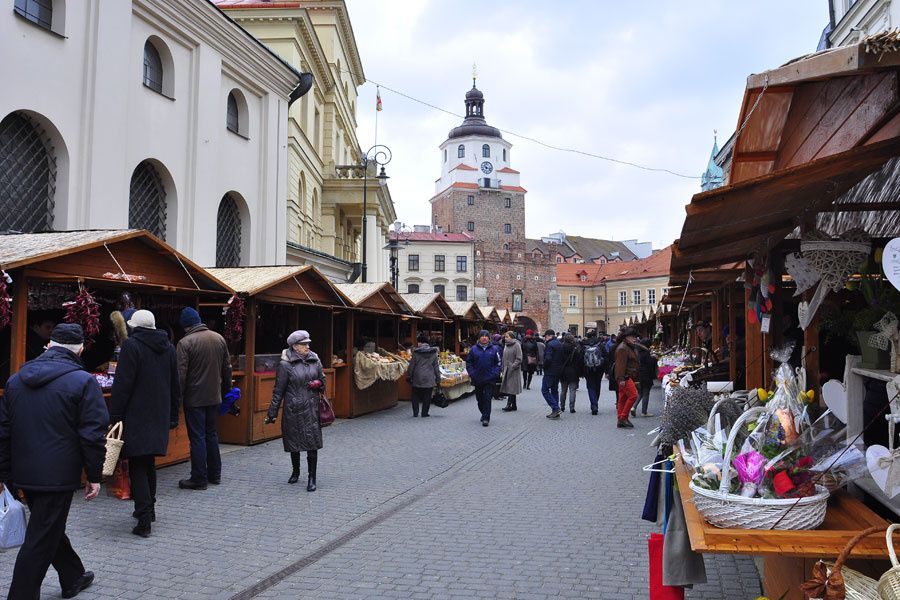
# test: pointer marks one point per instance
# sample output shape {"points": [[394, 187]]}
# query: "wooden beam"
{"points": [[18, 326], [862, 207], [755, 156]]}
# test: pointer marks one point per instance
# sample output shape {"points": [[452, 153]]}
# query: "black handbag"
{"points": [[440, 400]]}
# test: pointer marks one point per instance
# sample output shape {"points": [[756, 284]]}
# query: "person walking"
{"points": [[53, 423], [594, 358], [553, 363], [648, 366], [204, 376], [530, 353], [483, 367], [299, 381], [146, 398], [571, 372], [627, 371], [497, 342], [511, 371], [424, 374]]}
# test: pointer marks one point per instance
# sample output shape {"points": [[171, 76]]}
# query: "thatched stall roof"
{"points": [[131, 256], [490, 314], [468, 311], [429, 306], [283, 283], [375, 297]]}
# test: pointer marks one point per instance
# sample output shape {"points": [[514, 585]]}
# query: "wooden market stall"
{"points": [[491, 318], [817, 159], [436, 318], [119, 269], [277, 301], [468, 321], [372, 330]]}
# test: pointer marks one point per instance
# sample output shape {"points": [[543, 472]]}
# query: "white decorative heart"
{"points": [[835, 397], [893, 394], [874, 456], [801, 271], [890, 262], [803, 315]]}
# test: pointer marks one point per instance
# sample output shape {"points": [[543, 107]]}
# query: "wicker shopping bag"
{"points": [[114, 445]]}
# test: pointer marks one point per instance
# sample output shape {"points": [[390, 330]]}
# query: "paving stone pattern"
{"points": [[406, 508]]}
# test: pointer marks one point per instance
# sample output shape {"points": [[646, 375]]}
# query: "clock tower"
{"points": [[479, 194]]}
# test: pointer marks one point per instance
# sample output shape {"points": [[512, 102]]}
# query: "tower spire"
{"points": [[474, 74]]}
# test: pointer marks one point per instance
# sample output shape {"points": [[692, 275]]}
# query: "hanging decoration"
{"points": [[890, 262], [5, 300], [84, 311], [758, 279], [834, 260], [887, 336], [234, 313], [801, 271]]}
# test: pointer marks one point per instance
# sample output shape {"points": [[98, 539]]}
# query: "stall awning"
{"points": [[283, 283], [467, 311], [130, 256], [729, 223], [490, 313]]}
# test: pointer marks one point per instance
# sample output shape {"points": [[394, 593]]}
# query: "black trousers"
{"points": [[206, 462], [421, 396], [46, 543], [483, 394], [142, 473]]}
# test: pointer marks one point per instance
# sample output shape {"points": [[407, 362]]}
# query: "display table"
{"points": [[788, 556]]}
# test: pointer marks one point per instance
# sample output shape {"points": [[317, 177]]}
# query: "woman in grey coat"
{"points": [[299, 382], [424, 374], [511, 370]]}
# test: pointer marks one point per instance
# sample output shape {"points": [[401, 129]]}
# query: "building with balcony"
{"points": [[324, 176]]}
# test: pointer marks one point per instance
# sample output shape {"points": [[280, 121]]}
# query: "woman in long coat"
{"points": [[299, 382], [511, 370]]}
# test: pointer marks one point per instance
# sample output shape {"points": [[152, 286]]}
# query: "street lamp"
{"points": [[380, 155], [399, 238]]}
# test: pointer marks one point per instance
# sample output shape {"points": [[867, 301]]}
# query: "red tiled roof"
{"points": [[432, 237], [655, 265], [507, 170], [463, 167], [462, 184], [512, 188]]}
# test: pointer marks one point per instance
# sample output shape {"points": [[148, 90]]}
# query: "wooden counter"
{"points": [[788, 556]]}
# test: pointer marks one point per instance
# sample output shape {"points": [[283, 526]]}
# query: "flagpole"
{"points": [[377, 110]]}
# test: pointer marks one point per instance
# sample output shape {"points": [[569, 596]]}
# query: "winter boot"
{"points": [[295, 467]]}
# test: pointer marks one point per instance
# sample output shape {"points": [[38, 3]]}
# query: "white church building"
{"points": [[162, 115]]}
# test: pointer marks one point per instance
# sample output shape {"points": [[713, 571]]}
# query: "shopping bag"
{"points": [[12, 521], [119, 485], [658, 591], [114, 445], [326, 413], [440, 400]]}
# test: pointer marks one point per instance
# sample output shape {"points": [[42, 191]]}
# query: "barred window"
{"points": [[147, 200], [228, 233], [27, 175]]}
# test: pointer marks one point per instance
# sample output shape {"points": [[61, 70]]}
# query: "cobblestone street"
{"points": [[406, 508]]}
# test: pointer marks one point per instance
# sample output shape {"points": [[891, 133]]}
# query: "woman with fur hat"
{"points": [[299, 382]]}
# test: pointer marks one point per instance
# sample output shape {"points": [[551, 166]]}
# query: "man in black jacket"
{"points": [[53, 423], [146, 398], [553, 367]]}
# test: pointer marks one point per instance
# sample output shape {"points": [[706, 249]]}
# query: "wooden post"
{"points": [[716, 320], [754, 358], [18, 326], [732, 296]]}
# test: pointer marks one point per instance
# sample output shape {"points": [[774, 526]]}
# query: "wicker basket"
{"points": [[114, 445], [889, 583], [726, 510], [856, 585]]}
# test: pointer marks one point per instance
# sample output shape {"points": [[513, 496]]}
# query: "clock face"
{"points": [[486, 167]]}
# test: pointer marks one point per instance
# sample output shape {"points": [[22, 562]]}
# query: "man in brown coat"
{"points": [[627, 371], [204, 373]]}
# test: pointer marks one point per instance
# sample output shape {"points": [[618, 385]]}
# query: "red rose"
{"points": [[782, 483], [805, 462]]}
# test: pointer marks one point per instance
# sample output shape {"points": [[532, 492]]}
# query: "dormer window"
{"points": [[461, 151], [486, 151]]}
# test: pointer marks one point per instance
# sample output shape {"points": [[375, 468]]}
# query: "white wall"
{"points": [[88, 89]]}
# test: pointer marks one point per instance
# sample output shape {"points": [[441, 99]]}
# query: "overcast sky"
{"points": [[645, 82]]}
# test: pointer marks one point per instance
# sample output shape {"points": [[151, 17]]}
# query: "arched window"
{"points": [[153, 68], [147, 200], [228, 233], [232, 117], [39, 12], [461, 151], [27, 175], [486, 151], [504, 155]]}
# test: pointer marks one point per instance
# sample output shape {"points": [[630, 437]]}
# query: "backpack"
{"points": [[593, 358]]}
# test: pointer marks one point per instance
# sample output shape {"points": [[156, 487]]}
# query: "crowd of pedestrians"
{"points": [[54, 419]]}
